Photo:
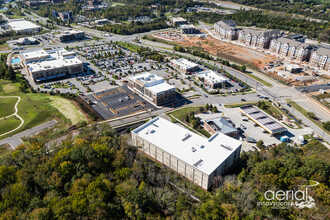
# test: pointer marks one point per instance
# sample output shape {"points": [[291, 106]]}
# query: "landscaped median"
{"points": [[306, 114]]}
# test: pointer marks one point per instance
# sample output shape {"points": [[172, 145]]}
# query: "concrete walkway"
{"points": [[15, 114]]}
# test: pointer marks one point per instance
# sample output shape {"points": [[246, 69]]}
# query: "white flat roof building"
{"points": [[153, 87], [22, 26], [191, 155], [185, 65], [212, 78], [47, 64]]}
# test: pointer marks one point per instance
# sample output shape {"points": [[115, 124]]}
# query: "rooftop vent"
{"points": [[193, 149], [155, 125], [198, 163], [186, 137], [226, 146]]}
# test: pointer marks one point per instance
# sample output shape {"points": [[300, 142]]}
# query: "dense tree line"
{"points": [[8, 73], [98, 175], [134, 27], [265, 20], [122, 13], [312, 8]]}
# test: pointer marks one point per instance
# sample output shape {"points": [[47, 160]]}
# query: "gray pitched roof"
{"points": [[222, 125]]}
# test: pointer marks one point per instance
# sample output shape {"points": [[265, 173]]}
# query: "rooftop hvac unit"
{"points": [[186, 137], [226, 146], [198, 163]]}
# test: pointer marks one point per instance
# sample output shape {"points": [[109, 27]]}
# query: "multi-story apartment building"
{"points": [[258, 38], [153, 88], [226, 29], [197, 158], [292, 49], [320, 58], [50, 64]]}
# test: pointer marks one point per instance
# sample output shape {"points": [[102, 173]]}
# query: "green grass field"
{"points": [[259, 79], [34, 108], [7, 106], [304, 112], [9, 124], [68, 109], [181, 113]]}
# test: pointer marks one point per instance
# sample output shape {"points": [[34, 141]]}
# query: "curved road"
{"points": [[15, 114]]}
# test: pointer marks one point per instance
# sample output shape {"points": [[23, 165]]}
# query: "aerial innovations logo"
{"points": [[297, 198]]}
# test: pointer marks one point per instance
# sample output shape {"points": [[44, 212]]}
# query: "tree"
{"points": [[311, 115], [214, 109], [326, 125]]}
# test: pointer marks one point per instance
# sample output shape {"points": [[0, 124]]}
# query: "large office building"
{"points": [[44, 65], [185, 65], [197, 158], [212, 79], [21, 26], [153, 88], [178, 21], [262, 119], [71, 35]]}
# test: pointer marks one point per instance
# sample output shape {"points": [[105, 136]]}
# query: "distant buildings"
{"points": [[321, 58], [197, 158], [292, 49], [101, 21], [178, 21], [153, 88], [258, 38], [44, 65], [36, 3], [185, 65], [188, 29], [71, 35], [26, 41], [212, 79], [21, 26], [63, 15], [226, 29], [222, 125]]}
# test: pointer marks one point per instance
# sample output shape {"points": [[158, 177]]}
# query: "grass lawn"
{"points": [[9, 124], [68, 109], [239, 104], [304, 112], [4, 47], [259, 79], [7, 106], [34, 108], [181, 113]]}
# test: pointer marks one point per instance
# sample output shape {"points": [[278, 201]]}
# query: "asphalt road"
{"points": [[15, 140]]}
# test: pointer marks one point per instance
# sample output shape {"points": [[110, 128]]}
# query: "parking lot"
{"points": [[117, 102], [247, 128]]}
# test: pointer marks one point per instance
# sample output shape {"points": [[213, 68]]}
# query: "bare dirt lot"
{"points": [[219, 48]]}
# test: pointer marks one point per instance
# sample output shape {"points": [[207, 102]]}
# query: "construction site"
{"points": [[286, 72]]}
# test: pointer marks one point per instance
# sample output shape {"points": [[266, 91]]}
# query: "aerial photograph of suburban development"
{"points": [[165, 109]]}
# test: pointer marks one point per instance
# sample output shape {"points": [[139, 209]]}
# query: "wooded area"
{"points": [[98, 175]]}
